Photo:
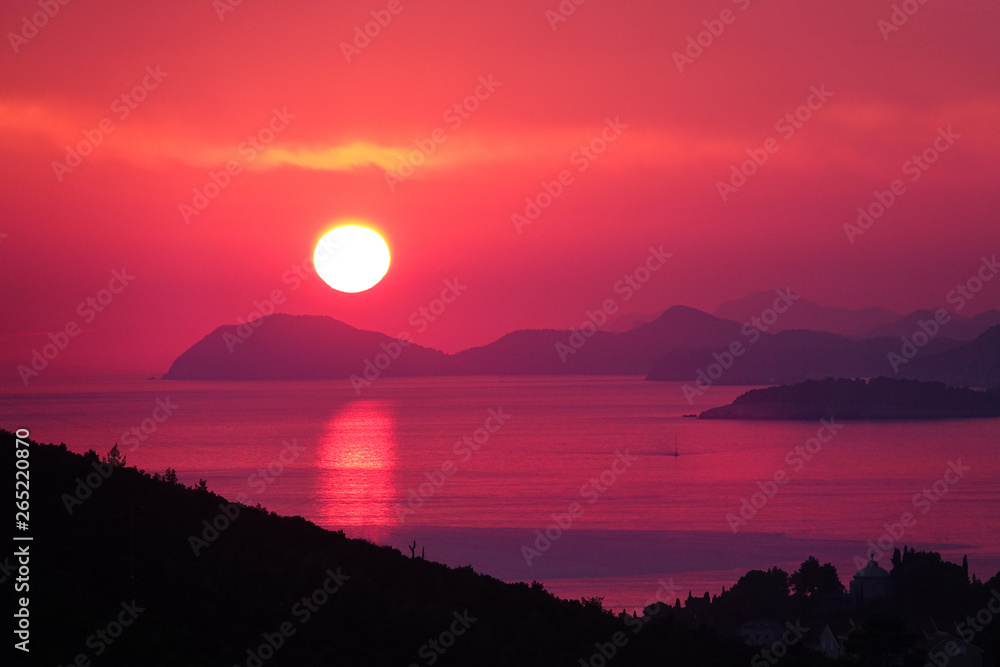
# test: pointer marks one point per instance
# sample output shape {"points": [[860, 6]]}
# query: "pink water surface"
{"points": [[358, 462]]}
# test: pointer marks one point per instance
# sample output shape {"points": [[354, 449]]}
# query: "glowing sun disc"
{"points": [[351, 258]]}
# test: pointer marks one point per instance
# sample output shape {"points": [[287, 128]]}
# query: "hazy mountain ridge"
{"points": [[792, 356], [975, 364], [957, 326], [809, 315], [313, 347], [682, 344], [283, 346]]}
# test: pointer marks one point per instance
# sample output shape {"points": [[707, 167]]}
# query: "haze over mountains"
{"points": [[793, 356], [863, 323], [976, 364], [958, 327], [297, 346], [760, 346], [810, 315]]}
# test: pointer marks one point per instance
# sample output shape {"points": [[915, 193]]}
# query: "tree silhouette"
{"points": [[815, 580], [114, 458], [880, 637], [759, 593]]}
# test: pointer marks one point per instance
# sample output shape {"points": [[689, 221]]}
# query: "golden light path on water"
{"points": [[357, 456]]}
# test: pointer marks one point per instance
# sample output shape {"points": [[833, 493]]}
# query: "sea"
{"points": [[593, 486]]}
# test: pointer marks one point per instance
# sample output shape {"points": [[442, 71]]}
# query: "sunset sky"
{"points": [[330, 120]]}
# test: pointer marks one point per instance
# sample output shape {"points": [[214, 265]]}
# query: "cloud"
{"points": [[864, 135], [333, 158]]}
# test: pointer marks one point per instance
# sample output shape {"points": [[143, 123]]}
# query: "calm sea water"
{"points": [[428, 460]]}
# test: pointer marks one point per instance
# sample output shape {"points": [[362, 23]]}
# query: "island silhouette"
{"points": [[878, 398], [682, 344]]}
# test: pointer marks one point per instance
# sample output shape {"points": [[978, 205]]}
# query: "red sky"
{"points": [[656, 184]]}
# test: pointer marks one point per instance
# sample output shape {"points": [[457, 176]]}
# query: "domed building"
{"points": [[871, 582]]}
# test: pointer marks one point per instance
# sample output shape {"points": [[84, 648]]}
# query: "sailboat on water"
{"points": [[664, 452]]}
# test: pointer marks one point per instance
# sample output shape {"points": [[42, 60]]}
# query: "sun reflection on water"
{"points": [[357, 460]]}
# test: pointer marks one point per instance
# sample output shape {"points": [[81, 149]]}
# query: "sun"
{"points": [[351, 258]]}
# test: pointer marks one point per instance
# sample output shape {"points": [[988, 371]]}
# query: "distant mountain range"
{"points": [[957, 327], [811, 316], [864, 323], [681, 344], [975, 364], [553, 352], [794, 356], [301, 346], [805, 314]]}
